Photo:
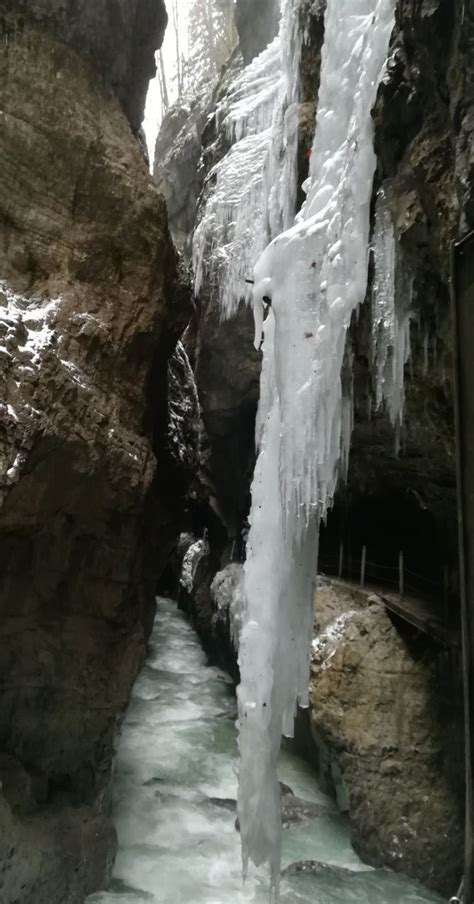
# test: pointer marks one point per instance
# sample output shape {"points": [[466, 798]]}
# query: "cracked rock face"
{"points": [[94, 459]]}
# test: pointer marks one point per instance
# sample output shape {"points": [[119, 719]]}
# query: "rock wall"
{"points": [[92, 302], [179, 175], [227, 369], [383, 719], [118, 39], [257, 25]]}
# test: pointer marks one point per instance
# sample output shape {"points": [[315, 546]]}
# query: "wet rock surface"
{"points": [[227, 596], [227, 370], [210, 600], [294, 811], [316, 868], [58, 856]]}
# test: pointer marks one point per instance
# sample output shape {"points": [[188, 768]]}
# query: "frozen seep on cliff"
{"points": [[315, 276], [391, 304]]}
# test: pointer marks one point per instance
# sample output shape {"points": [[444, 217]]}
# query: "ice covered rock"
{"points": [[227, 593]]}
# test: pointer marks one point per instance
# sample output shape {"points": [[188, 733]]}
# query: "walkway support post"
{"points": [[362, 566], [401, 575], [446, 593], [462, 304]]}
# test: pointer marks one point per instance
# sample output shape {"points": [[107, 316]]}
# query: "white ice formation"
{"points": [[254, 185], [315, 274], [391, 304]]}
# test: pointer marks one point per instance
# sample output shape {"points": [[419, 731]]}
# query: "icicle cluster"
{"points": [[254, 185], [391, 304], [315, 275]]}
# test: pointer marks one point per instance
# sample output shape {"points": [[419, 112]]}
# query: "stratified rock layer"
{"points": [[92, 302]]}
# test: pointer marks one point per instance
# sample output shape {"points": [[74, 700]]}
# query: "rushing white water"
{"points": [[391, 306], [174, 798], [254, 185], [315, 275]]}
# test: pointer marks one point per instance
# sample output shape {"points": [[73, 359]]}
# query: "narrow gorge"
{"points": [[235, 446]]}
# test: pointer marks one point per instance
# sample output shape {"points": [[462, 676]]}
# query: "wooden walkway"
{"points": [[416, 612], [421, 616]]}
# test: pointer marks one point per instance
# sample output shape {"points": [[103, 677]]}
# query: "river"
{"points": [[174, 789]]}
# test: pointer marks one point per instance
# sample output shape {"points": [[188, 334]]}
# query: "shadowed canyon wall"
{"points": [[92, 302]]}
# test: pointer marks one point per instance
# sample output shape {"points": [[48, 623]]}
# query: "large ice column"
{"points": [[391, 309], [253, 192], [315, 275]]}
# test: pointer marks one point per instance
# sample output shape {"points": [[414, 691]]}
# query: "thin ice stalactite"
{"points": [[391, 308]]}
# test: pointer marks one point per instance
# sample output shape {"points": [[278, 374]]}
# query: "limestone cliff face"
{"points": [[92, 302], [118, 39]]}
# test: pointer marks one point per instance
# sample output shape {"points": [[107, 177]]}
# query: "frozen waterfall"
{"points": [[253, 192], [315, 274]]}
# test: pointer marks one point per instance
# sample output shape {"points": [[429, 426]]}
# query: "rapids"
{"points": [[174, 794]]}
